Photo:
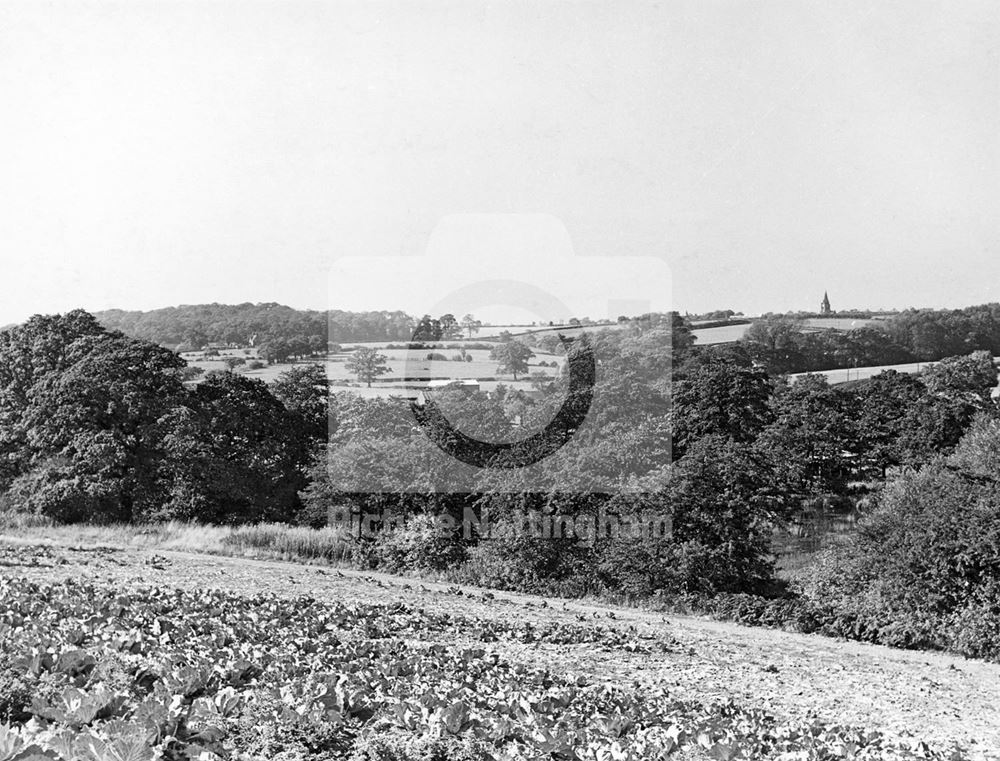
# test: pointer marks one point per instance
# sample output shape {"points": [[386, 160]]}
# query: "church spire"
{"points": [[824, 307]]}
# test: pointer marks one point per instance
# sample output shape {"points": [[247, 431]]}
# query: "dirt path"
{"points": [[939, 698]]}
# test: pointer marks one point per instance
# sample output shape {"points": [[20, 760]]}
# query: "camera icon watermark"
{"points": [[509, 376]]}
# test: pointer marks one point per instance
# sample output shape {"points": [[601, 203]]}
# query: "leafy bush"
{"points": [[638, 569], [422, 544], [923, 572], [514, 561]]}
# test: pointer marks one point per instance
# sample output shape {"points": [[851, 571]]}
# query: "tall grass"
{"points": [[289, 542], [264, 540]]}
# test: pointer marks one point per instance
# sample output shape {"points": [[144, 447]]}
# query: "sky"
{"points": [[691, 155]]}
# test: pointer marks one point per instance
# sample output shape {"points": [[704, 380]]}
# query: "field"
{"points": [[403, 363], [847, 374], [731, 333], [137, 653]]}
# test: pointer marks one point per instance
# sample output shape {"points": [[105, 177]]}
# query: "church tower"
{"points": [[824, 308]]}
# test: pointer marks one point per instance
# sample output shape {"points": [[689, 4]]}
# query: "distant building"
{"points": [[824, 308]]}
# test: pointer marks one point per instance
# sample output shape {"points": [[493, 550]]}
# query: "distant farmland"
{"points": [[403, 363], [731, 333]]}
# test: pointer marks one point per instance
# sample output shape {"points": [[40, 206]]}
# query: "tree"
{"points": [[720, 399], [974, 374], [233, 362], [775, 344], [512, 357], [94, 430], [304, 392], [550, 344], [234, 453], [428, 329], [367, 364], [471, 324], [450, 329], [28, 354], [275, 350], [884, 407], [812, 438]]}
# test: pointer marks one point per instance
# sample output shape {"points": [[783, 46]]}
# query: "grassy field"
{"points": [[403, 363], [847, 374]]}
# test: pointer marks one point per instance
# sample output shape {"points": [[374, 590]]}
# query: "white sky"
{"points": [[161, 153]]}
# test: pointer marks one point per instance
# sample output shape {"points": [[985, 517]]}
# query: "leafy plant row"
{"points": [[92, 672]]}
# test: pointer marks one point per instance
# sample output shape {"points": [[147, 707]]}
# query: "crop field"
{"points": [[114, 654], [720, 335], [403, 363]]}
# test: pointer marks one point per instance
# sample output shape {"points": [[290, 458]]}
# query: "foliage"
{"points": [[234, 453], [367, 364], [721, 399], [512, 357], [421, 543], [303, 390], [812, 437], [925, 568], [257, 324], [153, 673], [513, 560]]}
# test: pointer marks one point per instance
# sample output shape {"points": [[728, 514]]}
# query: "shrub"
{"points": [[191, 372], [422, 544], [639, 569], [922, 571], [514, 561], [255, 364], [974, 629]]}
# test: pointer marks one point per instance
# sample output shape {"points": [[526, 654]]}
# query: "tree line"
{"points": [[99, 426], [194, 327], [784, 344]]}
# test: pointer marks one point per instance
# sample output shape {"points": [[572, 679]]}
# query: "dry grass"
{"points": [[264, 540], [289, 542]]}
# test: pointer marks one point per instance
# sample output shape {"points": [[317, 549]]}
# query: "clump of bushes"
{"points": [[923, 571], [514, 561], [422, 543]]}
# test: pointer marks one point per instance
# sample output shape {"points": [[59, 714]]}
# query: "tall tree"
{"points": [[304, 392], [234, 453], [94, 430], [512, 357], [367, 364], [450, 329], [471, 324], [722, 400]]}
